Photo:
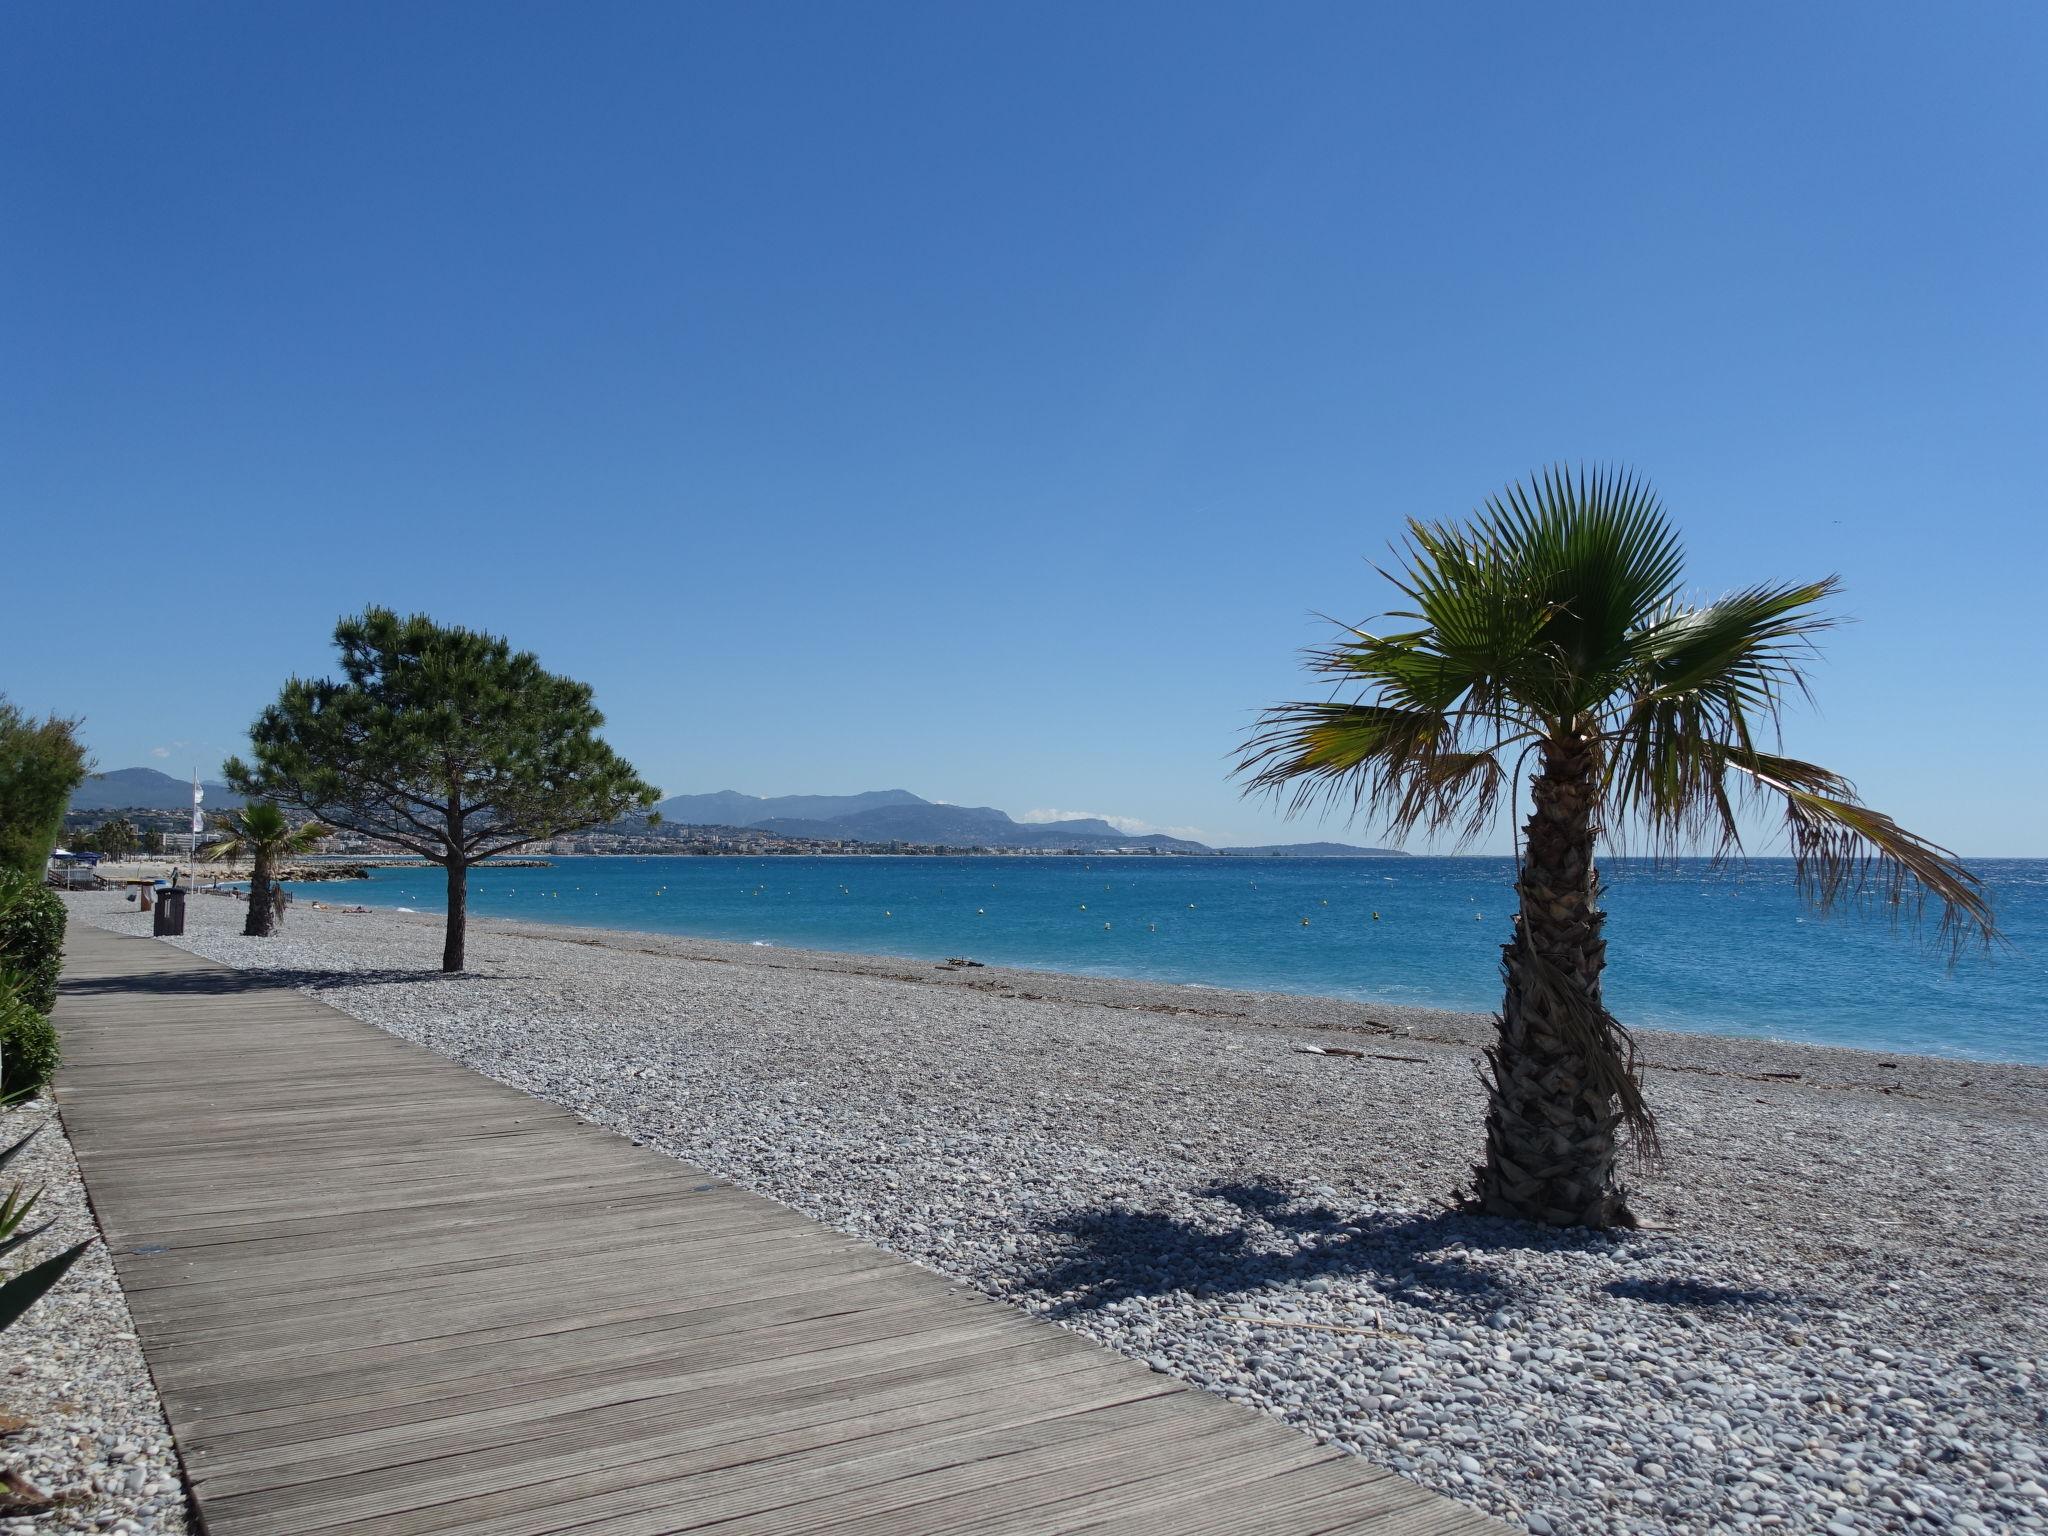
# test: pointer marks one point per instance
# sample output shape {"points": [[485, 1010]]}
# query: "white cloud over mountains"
{"points": [[1134, 825]]}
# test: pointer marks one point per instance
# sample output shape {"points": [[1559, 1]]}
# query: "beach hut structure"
{"points": [[70, 871]]}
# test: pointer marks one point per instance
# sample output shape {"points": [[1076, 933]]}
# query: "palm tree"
{"points": [[115, 837], [1554, 627], [260, 833]]}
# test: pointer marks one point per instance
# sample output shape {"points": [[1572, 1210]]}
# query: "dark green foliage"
{"points": [[17, 1148], [28, 1046], [25, 1289], [443, 741], [31, 939], [41, 763], [115, 837], [28, 1287], [15, 1207]]}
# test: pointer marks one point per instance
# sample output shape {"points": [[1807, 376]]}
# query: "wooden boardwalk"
{"points": [[381, 1293]]}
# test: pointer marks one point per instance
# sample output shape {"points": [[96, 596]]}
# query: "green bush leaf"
{"points": [[29, 1287]]}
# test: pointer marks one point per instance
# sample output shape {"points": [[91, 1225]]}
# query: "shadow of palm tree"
{"points": [[1697, 1293], [1285, 1242]]}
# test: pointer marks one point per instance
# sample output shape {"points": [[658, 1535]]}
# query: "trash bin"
{"points": [[170, 914]]}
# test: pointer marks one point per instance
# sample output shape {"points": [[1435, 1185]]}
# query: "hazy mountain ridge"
{"points": [[898, 816], [731, 808], [969, 826], [872, 816], [122, 789]]}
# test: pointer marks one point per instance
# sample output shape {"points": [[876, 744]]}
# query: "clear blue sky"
{"points": [[981, 399]]}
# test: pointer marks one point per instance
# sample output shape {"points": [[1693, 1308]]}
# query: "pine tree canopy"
{"points": [[441, 740]]}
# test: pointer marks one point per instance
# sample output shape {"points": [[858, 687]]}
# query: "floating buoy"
{"points": [[981, 912], [1191, 906], [888, 914]]}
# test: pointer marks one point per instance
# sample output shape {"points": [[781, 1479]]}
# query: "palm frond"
{"points": [[261, 828], [1706, 680], [1483, 625], [1845, 851], [305, 838], [1408, 768], [1595, 556], [1752, 641], [224, 848]]}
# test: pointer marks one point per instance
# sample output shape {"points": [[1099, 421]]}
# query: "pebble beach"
{"points": [[1832, 1320], [80, 1423]]}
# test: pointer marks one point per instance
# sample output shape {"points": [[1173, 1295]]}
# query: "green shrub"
{"points": [[28, 1046], [41, 763], [31, 939]]}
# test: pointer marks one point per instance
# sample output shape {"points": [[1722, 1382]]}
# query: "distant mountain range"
{"points": [[147, 789], [876, 816], [898, 816], [730, 808]]}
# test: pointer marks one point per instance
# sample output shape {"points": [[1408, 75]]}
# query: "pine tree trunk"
{"points": [[1552, 1115], [458, 916], [257, 924]]}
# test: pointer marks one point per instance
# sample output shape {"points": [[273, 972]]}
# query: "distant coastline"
{"points": [[876, 821], [771, 846]]}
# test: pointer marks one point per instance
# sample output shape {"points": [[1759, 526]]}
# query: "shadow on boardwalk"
{"points": [[226, 983]]}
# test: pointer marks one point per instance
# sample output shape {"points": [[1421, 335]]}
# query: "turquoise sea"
{"points": [[1691, 947]]}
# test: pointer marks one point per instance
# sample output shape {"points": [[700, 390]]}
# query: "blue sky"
{"points": [[983, 399]]}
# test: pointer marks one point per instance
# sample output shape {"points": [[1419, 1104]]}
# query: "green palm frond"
{"points": [[1706, 679], [1418, 769], [261, 828], [1753, 641], [1845, 851], [1557, 613], [1597, 557]]}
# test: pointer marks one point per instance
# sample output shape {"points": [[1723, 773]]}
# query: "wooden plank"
{"points": [[758, 1402], [381, 1293]]}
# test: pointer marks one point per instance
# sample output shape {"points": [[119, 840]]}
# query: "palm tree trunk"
{"points": [[1557, 1070], [257, 924], [458, 915]]}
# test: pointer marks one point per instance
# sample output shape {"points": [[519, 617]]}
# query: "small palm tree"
{"points": [[115, 837], [260, 833], [1554, 626]]}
